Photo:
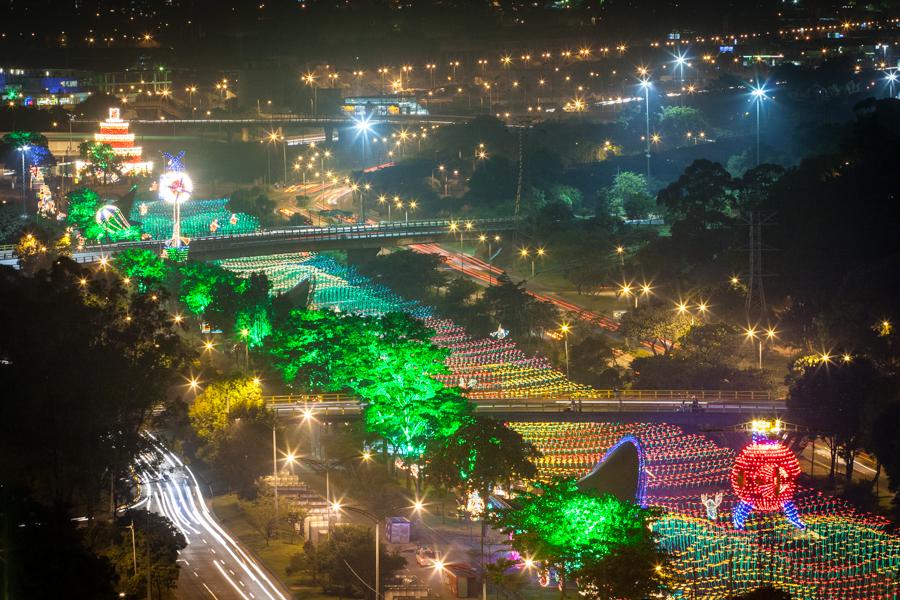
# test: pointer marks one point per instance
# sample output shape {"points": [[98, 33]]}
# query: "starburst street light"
{"points": [[645, 83], [758, 96], [891, 78]]}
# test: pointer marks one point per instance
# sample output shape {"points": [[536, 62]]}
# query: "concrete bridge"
{"points": [[694, 407], [295, 239]]}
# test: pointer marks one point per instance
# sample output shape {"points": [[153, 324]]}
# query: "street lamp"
{"points": [[310, 80], [23, 149], [564, 329], [891, 77], [680, 60], [751, 333], [645, 83], [758, 95]]}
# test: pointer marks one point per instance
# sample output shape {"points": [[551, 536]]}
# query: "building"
{"points": [[382, 106]]}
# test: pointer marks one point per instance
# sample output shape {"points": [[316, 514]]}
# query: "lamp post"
{"points": [[759, 95], [752, 334], [23, 149], [310, 80], [383, 200], [645, 83], [564, 329], [891, 77], [337, 507]]}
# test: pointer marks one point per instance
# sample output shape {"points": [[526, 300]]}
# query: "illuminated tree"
{"points": [[102, 158], [565, 528], [242, 305], [38, 152], [82, 211], [144, 267], [628, 197], [222, 402], [198, 284], [388, 362], [38, 249]]}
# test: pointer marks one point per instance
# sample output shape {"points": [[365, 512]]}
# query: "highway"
{"points": [[213, 565]]}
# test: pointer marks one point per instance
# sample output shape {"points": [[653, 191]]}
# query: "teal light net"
{"points": [[196, 218]]}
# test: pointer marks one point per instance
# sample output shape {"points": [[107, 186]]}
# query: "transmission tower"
{"points": [[519, 182], [756, 293]]}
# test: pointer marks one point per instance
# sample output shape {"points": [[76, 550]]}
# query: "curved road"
{"points": [[213, 565]]}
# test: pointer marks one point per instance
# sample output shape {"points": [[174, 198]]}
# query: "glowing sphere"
{"points": [[765, 475], [175, 187]]}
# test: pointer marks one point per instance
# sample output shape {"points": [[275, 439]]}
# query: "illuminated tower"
{"points": [[114, 131]]}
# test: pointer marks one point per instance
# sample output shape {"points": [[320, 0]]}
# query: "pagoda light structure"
{"points": [[115, 132]]}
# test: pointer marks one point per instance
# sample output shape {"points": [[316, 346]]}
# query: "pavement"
{"points": [[214, 565]]}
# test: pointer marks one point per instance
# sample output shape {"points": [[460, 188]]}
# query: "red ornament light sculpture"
{"points": [[764, 476]]}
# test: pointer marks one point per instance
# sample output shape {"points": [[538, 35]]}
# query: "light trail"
{"points": [[220, 562]]}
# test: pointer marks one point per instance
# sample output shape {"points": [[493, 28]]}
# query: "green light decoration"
{"points": [[144, 267], [198, 283], [842, 554], [256, 323], [199, 218], [83, 206], [565, 527]]}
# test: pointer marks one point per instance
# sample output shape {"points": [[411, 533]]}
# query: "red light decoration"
{"points": [[764, 478], [764, 475]]}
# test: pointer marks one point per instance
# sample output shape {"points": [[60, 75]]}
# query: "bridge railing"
{"points": [[329, 233]]}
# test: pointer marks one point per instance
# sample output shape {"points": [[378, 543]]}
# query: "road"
{"points": [[213, 565]]}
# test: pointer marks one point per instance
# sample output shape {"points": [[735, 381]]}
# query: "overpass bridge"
{"points": [[717, 407], [294, 239]]}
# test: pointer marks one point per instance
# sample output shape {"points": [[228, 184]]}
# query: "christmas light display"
{"points": [[196, 217], [764, 477], [498, 367], [849, 555], [114, 132], [175, 188], [111, 219]]}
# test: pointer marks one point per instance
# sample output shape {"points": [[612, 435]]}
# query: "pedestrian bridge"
{"points": [[621, 405], [283, 240]]}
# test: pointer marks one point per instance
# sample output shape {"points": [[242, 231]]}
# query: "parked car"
{"points": [[424, 556]]}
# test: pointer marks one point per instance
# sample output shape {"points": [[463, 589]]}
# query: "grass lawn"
{"points": [[275, 556]]}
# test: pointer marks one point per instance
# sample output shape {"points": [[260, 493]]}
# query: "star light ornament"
{"points": [[764, 476]]}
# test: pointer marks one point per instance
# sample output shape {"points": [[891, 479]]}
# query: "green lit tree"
{"points": [[675, 122], [567, 529], [104, 162], [145, 268], [82, 211], [242, 305], [199, 282]]}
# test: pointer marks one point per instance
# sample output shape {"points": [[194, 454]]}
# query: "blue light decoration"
{"points": [[174, 163], [593, 480]]}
